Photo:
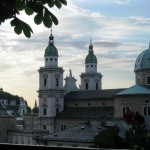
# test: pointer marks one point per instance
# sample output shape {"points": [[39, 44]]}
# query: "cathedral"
{"points": [[64, 105], [70, 116]]}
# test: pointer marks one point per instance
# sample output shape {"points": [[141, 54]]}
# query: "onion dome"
{"points": [[91, 58], [143, 60], [51, 50]]}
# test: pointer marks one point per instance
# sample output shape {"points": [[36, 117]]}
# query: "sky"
{"points": [[119, 29]]}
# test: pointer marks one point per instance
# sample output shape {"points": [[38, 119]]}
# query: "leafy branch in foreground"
{"points": [[11, 8]]}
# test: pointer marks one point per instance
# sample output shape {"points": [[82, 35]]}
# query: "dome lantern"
{"points": [[51, 50], [91, 58]]}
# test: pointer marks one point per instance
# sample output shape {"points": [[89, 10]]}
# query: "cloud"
{"points": [[121, 1], [117, 42]]}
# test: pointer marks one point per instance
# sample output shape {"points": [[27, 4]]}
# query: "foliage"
{"points": [[11, 8], [134, 118], [108, 138], [137, 138]]}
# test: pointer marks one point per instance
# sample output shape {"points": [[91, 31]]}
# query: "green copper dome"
{"points": [[91, 58], [51, 50], [143, 60]]}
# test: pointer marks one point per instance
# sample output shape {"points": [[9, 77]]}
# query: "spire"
{"points": [[51, 38], [91, 46]]}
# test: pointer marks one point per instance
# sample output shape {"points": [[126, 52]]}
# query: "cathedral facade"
{"points": [[64, 105]]}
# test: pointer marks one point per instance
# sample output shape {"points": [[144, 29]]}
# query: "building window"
{"points": [[57, 82], [51, 58], [138, 81], [103, 103], [45, 82], [147, 101], [62, 127], [91, 65], [44, 111], [55, 59], [125, 110], [44, 127], [76, 104], [96, 86], [87, 66], [146, 111], [86, 86], [89, 104], [57, 111], [148, 80], [46, 59]]}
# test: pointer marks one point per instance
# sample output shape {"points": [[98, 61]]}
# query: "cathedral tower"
{"points": [[91, 79], [51, 93]]}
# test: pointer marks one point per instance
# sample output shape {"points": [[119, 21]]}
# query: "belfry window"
{"points": [[96, 86], [86, 86], [45, 79], [57, 82], [44, 111], [45, 82]]}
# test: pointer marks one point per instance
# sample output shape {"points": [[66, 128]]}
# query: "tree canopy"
{"points": [[11, 8]]}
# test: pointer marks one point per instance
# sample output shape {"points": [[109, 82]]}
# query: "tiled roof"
{"points": [[86, 112], [92, 94]]}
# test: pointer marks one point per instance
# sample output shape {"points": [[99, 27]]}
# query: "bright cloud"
{"points": [[117, 42]]}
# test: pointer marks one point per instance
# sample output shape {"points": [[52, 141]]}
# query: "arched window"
{"points": [[44, 111], [86, 86], [57, 82], [125, 110], [57, 111], [45, 82], [96, 86]]}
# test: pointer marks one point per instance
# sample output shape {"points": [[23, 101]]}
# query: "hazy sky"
{"points": [[120, 31]]}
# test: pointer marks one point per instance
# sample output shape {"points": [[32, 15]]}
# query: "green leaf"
{"points": [[27, 32], [38, 18], [28, 10], [36, 7], [20, 25], [47, 20], [17, 30], [20, 4], [51, 3], [63, 2], [13, 22], [58, 4], [54, 19]]}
